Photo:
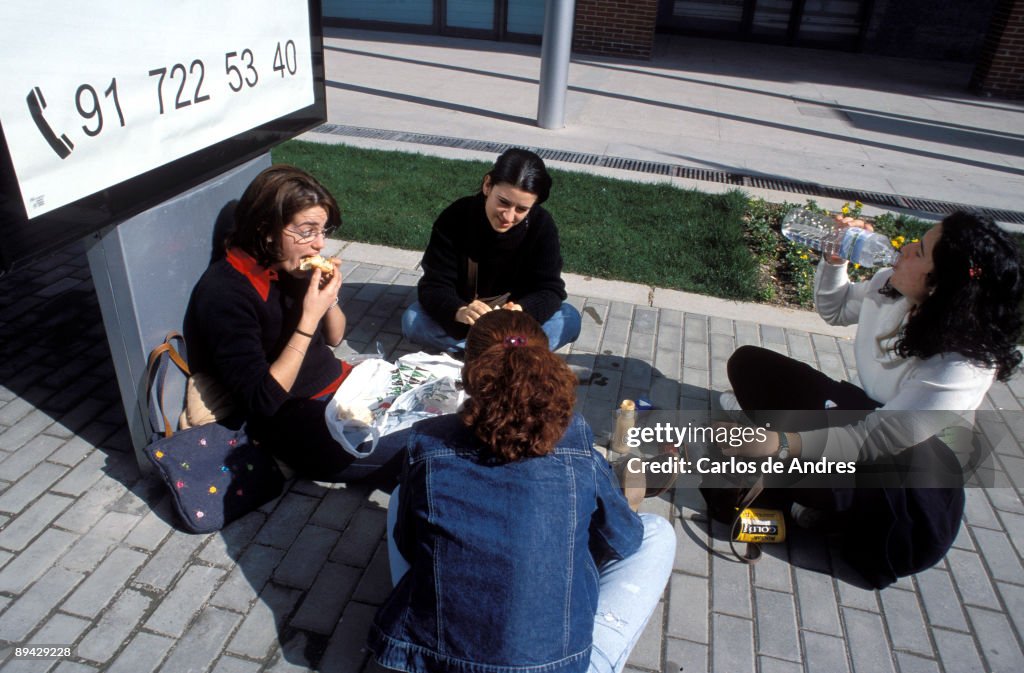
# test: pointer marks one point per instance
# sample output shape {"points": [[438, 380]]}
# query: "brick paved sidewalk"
{"points": [[89, 557]]}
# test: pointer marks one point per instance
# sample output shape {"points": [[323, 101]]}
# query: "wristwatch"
{"points": [[783, 452]]}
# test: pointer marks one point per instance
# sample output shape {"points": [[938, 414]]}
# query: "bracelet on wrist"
{"points": [[297, 350], [305, 334], [333, 304]]}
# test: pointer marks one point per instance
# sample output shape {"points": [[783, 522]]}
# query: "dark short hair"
{"points": [[521, 395], [975, 304], [523, 170], [269, 203]]}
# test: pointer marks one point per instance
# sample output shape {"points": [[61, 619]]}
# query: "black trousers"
{"points": [[887, 532]]}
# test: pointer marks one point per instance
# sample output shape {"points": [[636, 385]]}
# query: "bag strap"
{"points": [[153, 367], [753, 552]]}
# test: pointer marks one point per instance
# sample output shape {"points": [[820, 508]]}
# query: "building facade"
{"points": [[989, 33]]}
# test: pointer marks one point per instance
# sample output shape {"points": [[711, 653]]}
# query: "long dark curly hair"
{"points": [[521, 395], [269, 203], [975, 305]]}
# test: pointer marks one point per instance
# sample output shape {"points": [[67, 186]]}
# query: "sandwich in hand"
{"points": [[325, 265]]}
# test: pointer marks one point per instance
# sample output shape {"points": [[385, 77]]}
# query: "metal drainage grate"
{"points": [[677, 170]]}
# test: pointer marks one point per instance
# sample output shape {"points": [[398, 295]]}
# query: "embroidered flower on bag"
{"points": [[202, 442], [200, 514], [180, 484], [239, 493], [159, 455], [213, 489], [232, 442]]}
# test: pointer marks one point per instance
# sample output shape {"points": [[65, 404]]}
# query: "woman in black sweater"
{"points": [[495, 249], [264, 328]]}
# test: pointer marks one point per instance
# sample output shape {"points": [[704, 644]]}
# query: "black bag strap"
{"points": [[156, 357], [753, 552]]}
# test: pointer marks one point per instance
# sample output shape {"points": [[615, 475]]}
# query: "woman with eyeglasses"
{"points": [[264, 328]]}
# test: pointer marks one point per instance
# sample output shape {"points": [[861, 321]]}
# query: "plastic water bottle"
{"points": [[820, 232]]}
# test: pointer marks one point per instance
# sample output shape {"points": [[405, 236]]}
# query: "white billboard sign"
{"points": [[99, 92]]}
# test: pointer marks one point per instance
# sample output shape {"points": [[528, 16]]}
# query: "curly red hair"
{"points": [[521, 395]]}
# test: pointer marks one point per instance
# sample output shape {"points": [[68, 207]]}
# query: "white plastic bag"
{"points": [[396, 395]]}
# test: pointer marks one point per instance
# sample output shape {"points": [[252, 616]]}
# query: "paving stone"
{"points": [[978, 511], [224, 549], [180, 606], [971, 579], [72, 451], [167, 563], [1013, 596], [247, 579], [696, 355], [28, 456], [142, 655], [866, 642], [67, 666], [306, 557], [29, 609], [824, 653], [34, 560], [262, 625], [958, 652], [941, 603], [691, 550], [25, 430], [684, 656], [152, 528], [323, 605], [999, 644], [90, 507], [61, 630], [94, 546], [374, 586], [286, 522], [116, 625], [104, 583], [774, 570], [17, 534], [229, 664], [905, 621], [83, 476], [911, 663], [734, 644], [203, 641], [776, 625], [646, 653], [359, 541], [346, 650], [730, 587], [769, 665], [21, 494], [294, 656], [688, 615], [999, 555], [818, 607]]}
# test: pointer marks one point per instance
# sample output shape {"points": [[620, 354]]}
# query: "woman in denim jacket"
{"points": [[512, 547]]}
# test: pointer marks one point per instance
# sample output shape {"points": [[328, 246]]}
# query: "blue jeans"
{"points": [[417, 326], [629, 588]]}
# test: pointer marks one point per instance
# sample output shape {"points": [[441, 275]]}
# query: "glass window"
{"points": [[477, 14], [419, 12], [712, 15], [525, 16]]}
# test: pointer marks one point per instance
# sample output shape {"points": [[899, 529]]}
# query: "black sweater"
{"points": [[525, 261], [238, 322]]}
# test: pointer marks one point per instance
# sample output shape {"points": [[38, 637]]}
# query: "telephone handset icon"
{"points": [[36, 103]]}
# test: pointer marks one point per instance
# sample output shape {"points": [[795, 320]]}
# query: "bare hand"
{"points": [[321, 294], [844, 221], [471, 312]]}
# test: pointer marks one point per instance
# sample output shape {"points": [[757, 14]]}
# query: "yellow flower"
{"points": [[858, 205], [805, 256], [898, 242], [845, 209]]}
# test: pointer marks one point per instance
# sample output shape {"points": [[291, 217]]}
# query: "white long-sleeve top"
{"points": [[944, 382]]}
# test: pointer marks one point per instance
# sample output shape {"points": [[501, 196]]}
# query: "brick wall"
{"points": [[1000, 69], [615, 27]]}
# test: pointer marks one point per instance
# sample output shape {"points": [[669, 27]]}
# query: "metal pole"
{"points": [[554, 63]]}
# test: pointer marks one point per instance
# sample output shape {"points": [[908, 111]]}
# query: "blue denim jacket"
{"points": [[504, 556]]}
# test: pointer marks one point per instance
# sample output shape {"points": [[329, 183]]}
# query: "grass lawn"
{"points": [[724, 245]]}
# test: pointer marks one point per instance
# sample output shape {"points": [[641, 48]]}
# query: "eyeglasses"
{"points": [[307, 235]]}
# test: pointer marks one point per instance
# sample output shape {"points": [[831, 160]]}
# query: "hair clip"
{"points": [[515, 341], [974, 272]]}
